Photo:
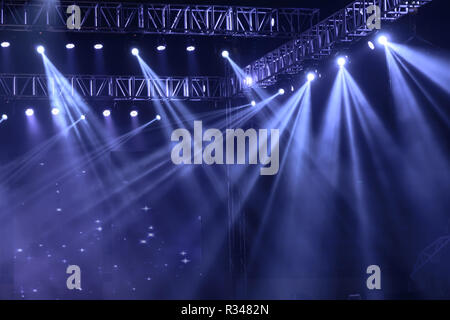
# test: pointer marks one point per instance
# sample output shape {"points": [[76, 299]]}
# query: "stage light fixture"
{"points": [[281, 91], [55, 111], [253, 103], [106, 113], [383, 40], [98, 46], [5, 44], [135, 51], [161, 47], [158, 117], [83, 117], [248, 81], [29, 112], [292, 88], [133, 113], [311, 76], [341, 61], [4, 117], [70, 46], [40, 49], [371, 45], [190, 48], [225, 54]]}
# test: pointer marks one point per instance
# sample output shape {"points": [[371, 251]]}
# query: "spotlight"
{"points": [[133, 113], [371, 45], [225, 54], [83, 117], [281, 91], [190, 48], [135, 51], [5, 44], [248, 81], [311, 76], [341, 61], [158, 117], [98, 46], [253, 103], [40, 49], [29, 112], [106, 113], [383, 40], [70, 46], [55, 111], [4, 117], [161, 47]]}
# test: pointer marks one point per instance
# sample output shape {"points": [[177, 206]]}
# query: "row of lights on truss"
{"points": [[161, 46], [55, 111]]}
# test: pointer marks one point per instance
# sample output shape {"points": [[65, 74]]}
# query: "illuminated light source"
{"points": [[5, 44], [134, 113], [4, 117], [281, 91], [253, 103], [225, 54], [83, 117], [311, 76], [55, 111], [135, 51], [29, 112], [70, 46], [190, 48], [106, 113], [371, 45], [158, 117], [383, 40], [292, 88], [98, 46], [161, 47], [248, 81], [40, 49], [341, 61]]}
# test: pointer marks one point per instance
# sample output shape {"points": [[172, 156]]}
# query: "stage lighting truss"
{"points": [[345, 26], [208, 20], [117, 87]]}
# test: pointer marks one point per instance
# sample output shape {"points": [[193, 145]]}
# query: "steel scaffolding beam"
{"points": [[110, 17], [345, 26], [28, 86], [429, 253]]}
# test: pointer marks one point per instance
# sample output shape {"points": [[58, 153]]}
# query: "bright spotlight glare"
{"points": [[134, 51], [161, 47], [248, 81], [55, 111], [281, 91], [29, 112], [98, 46], [190, 48], [311, 76], [83, 117], [371, 45], [341, 61], [253, 103], [106, 113], [5, 44], [225, 54], [40, 49], [70, 46], [134, 113], [383, 40], [4, 117], [158, 117]]}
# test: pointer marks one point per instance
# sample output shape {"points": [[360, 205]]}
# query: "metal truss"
{"points": [[343, 27], [100, 16], [115, 87], [429, 252]]}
